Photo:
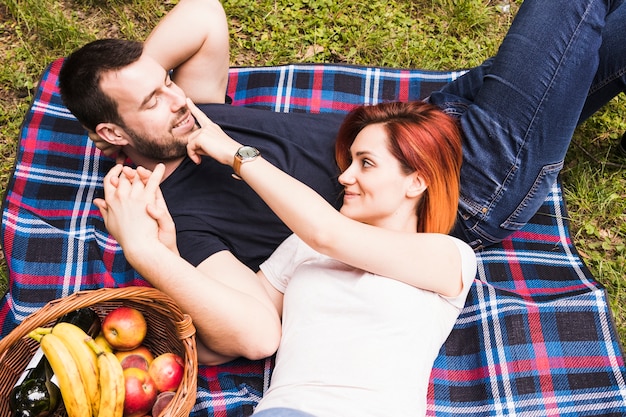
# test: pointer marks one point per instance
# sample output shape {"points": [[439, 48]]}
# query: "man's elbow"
{"points": [[262, 347], [256, 353], [253, 348], [209, 357]]}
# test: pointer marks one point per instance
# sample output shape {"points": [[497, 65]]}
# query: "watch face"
{"points": [[248, 152]]}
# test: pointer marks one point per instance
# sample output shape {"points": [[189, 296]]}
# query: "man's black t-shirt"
{"points": [[214, 212]]}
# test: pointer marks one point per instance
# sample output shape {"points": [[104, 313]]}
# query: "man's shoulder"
{"points": [[287, 137], [228, 111]]}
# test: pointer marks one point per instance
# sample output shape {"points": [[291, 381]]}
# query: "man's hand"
{"points": [[134, 210], [159, 212]]}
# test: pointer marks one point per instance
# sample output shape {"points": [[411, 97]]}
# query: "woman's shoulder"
{"points": [[468, 270], [468, 257], [293, 250], [464, 247]]}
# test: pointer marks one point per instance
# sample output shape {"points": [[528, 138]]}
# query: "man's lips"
{"points": [[187, 122]]}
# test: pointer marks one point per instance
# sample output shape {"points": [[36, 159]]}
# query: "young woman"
{"points": [[367, 295]]}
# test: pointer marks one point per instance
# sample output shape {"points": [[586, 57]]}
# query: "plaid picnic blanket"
{"points": [[535, 338]]}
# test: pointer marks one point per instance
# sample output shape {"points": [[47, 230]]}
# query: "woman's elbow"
{"points": [[322, 240]]}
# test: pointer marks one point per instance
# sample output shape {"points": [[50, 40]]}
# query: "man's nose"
{"points": [[177, 98]]}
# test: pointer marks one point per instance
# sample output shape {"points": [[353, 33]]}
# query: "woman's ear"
{"points": [[417, 185]]}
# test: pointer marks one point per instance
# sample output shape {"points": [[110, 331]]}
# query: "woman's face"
{"points": [[376, 190]]}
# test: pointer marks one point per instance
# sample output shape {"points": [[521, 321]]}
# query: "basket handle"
{"points": [[80, 299], [186, 328]]}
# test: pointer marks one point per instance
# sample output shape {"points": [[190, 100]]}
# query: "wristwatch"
{"points": [[243, 155]]}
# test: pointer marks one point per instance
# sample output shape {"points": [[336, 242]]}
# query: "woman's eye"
{"points": [[366, 163]]}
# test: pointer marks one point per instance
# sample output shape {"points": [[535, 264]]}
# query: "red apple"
{"points": [[162, 401], [141, 392], [140, 350], [134, 361], [124, 328], [167, 370]]}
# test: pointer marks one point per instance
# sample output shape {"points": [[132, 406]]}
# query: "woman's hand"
{"points": [[210, 140]]}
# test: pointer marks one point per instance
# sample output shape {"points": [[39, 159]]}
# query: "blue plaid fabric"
{"points": [[536, 337]]}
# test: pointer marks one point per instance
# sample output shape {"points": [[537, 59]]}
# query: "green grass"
{"points": [[435, 34]]}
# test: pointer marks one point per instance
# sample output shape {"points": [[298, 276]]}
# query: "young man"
{"points": [[517, 113], [222, 226]]}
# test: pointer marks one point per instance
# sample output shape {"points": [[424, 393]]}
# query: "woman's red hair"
{"points": [[425, 140]]}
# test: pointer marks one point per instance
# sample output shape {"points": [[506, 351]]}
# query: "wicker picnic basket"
{"points": [[169, 330]]}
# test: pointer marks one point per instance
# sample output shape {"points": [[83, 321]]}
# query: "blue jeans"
{"points": [[282, 412], [560, 61]]}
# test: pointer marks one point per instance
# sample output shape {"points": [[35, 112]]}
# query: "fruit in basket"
{"points": [[75, 339], [167, 371], [141, 392], [111, 380], [134, 361], [35, 394], [102, 341], [162, 401], [124, 328], [65, 368], [140, 350]]}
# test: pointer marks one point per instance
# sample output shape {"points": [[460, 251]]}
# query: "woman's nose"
{"points": [[346, 177]]}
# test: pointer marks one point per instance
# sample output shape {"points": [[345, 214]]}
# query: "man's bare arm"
{"points": [[230, 307], [192, 40]]}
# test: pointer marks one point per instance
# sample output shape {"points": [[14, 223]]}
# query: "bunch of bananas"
{"points": [[91, 379]]}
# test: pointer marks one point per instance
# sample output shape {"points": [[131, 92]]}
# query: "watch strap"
{"points": [[237, 167]]}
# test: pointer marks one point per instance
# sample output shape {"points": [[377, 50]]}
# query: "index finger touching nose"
{"points": [[201, 118]]}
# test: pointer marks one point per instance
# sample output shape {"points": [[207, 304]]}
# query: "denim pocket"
{"points": [[535, 197]]}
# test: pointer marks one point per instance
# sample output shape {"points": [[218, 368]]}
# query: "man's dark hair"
{"points": [[79, 79]]}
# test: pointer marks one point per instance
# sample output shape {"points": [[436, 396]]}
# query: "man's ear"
{"points": [[417, 185], [112, 133]]}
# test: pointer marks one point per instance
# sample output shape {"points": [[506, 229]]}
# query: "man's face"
{"points": [[156, 119]]}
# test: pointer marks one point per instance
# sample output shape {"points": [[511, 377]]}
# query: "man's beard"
{"points": [[158, 150]]}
